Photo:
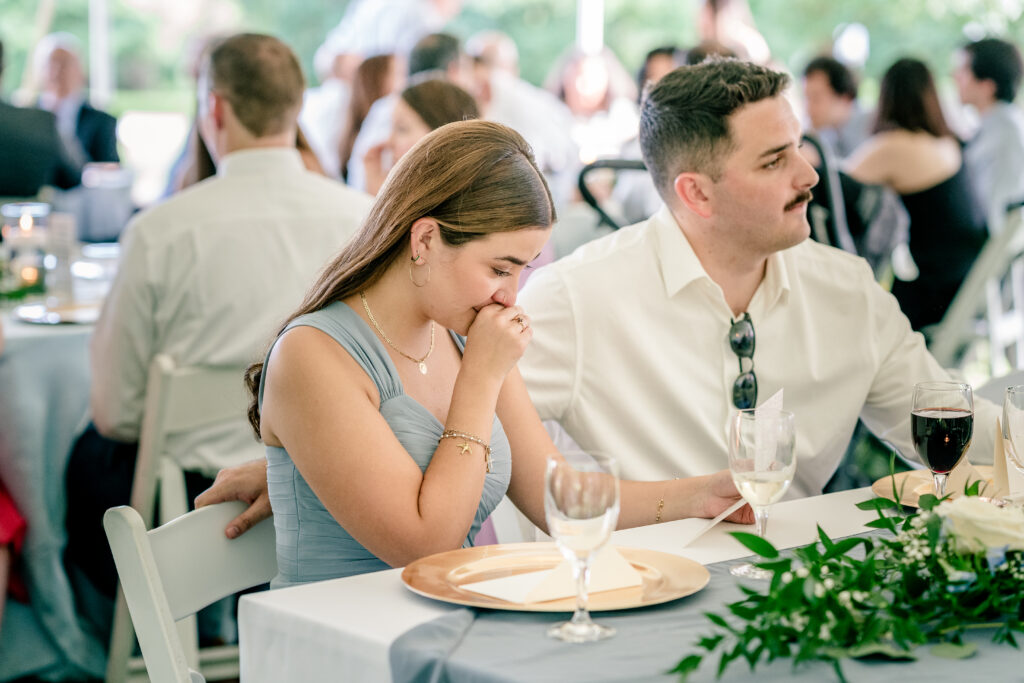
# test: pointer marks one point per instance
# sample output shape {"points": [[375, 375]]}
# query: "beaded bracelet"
{"points": [[661, 506], [452, 434]]}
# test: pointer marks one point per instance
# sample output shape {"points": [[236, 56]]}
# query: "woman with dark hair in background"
{"points": [[422, 107], [375, 78], [914, 152]]}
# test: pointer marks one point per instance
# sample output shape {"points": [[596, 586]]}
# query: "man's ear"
{"points": [[694, 191], [217, 108], [424, 237], [990, 87]]}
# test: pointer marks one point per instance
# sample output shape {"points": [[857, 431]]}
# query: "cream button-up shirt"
{"points": [[630, 354], [208, 277]]}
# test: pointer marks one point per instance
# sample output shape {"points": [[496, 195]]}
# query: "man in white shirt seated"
{"points": [[207, 277], [988, 78], [646, 341], [631, 350]]}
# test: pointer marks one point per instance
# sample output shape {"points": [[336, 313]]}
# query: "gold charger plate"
{"points": [[44, 314], [665, 577], [916, 483]]}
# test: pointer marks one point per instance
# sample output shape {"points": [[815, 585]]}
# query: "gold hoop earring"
{"points": [[425, 280]]}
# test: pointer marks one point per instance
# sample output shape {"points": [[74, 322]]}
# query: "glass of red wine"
{"points": [[942, 423]]}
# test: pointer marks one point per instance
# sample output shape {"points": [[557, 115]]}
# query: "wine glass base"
{"points": [[580, 633], [749, 571]]}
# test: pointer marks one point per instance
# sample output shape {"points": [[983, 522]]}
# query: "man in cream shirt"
{"points": [[631, 350], [207, 277]]}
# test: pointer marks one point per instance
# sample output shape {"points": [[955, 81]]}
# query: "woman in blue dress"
{"points": [[390, 404]]}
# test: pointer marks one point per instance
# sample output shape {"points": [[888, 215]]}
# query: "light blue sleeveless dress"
{"points": [[311, 545]]}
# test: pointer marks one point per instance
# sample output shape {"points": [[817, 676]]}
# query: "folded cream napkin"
{"points": [[610, 570]]}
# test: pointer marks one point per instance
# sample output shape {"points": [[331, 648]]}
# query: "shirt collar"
{"points": [[678, 263], [680, 266], [261, 160]]}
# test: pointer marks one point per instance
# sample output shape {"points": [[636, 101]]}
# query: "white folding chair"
{"points": [[178, 399], [981, 293], [175, 570]]}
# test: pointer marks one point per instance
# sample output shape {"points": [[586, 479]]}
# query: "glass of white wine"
{"points": [[1013, 429], [581, 506], [762, 461]]}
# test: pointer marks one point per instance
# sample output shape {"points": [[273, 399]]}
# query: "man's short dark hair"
{"points": [[998, 61], [840, 78], [261, 78], [434, 52], [684, 121]]}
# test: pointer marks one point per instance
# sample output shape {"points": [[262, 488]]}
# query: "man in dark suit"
{"points": [[31, 152], [88, 133]]}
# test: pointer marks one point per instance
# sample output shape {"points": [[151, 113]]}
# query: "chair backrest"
{"points": [[614, 165], [174, 570], [981, 291], [178, 399], [828, 222]]}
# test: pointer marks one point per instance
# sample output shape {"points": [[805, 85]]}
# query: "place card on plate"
{"points": [[610, 571]]}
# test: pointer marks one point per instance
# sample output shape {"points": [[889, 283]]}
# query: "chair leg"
{"points": [[122, 641]]}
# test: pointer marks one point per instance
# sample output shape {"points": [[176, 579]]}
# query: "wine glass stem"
{"points": [[760, 520], [581, 572], [940, 484]]}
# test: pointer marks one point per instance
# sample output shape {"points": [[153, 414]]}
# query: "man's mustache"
{"points": [[804, 196]]}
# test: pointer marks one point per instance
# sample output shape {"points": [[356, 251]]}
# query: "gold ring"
{"points": [[522, 323]]}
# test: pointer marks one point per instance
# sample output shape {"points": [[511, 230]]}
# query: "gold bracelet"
{"points": [[661, 506], [452, 434]]}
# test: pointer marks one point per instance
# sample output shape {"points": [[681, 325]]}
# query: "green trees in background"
{"points": [[151, 39]]}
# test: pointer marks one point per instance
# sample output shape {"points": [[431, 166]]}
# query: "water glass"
{"points": [[581, 505]]}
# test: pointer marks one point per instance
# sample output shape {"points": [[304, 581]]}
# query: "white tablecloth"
{"points": [[44, 401], [342, 629]]}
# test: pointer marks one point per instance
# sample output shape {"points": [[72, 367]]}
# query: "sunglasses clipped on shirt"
{"points": [[741, 341]]}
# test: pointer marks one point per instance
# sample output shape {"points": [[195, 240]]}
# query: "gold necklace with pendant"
{"points": [[421, 363]]}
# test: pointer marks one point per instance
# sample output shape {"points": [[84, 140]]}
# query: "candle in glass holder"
{"points": [[23, 249]]}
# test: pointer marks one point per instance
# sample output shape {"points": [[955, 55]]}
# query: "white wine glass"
{"points": [[941, 424], [762, 461], [581, 506], [1013, 427]]}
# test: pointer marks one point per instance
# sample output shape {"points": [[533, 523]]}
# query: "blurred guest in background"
{"points": [[830, 93], [657, 63], [375, 78], [533, 112], [421, 108], [436, 52], [12, 536], [913, 151], [33, 153], [707, 48], [602, 98], [88, 133], [731, 23], [205, 277], [988, 78]]}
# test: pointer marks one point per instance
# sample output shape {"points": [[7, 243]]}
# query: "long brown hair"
{"points": [[473, 178], [907, 100], [373, 80]]}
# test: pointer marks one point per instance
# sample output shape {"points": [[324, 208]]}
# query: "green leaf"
{"points": [[825, 540], [687, 666], [954, 650], [973, 489], [927, 501], [885, 651], [756, 544], [718, 620], [877, 504], [883, 523]]}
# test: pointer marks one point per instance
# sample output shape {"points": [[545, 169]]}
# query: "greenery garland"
{"points": [[928, 582]]}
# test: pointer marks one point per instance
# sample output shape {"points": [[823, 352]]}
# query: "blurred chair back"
{"points": [[828, 218], [178, 399], [171, 572], [989, 303], [614, 165]]}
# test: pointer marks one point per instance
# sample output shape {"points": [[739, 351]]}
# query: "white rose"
{"points": [[978, 525]]}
